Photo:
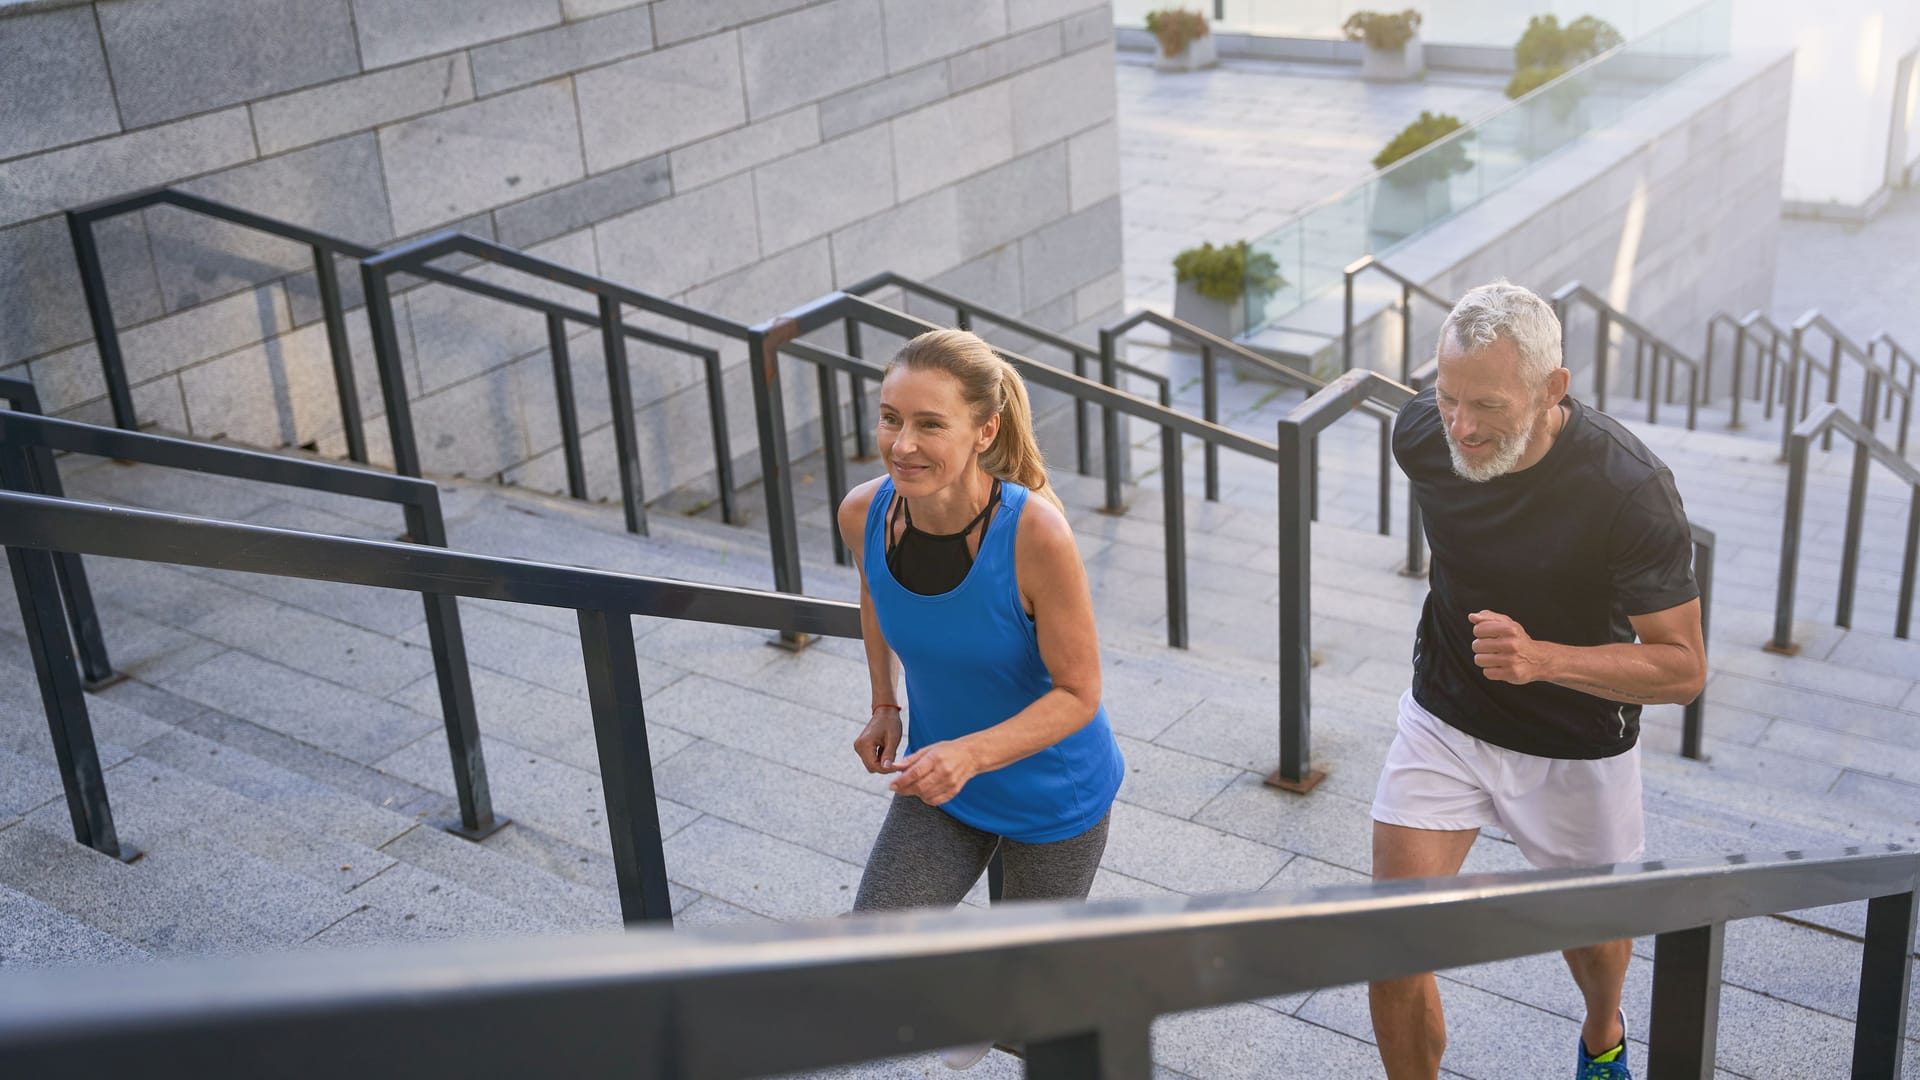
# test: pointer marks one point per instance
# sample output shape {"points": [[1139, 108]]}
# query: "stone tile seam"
{"points": [[1808, 690]]}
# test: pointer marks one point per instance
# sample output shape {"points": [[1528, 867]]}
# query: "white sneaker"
{"points": [[964, 1057]]}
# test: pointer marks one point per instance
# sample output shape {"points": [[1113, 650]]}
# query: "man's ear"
{"points": [[1557, 383]]}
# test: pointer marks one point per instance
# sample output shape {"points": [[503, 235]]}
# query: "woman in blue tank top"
{"points": [[977, 588]]}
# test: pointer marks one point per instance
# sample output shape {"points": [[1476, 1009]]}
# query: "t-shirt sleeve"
{"points": [[1650, 552]]}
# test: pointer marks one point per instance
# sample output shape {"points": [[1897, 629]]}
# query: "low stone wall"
{"points": [[1672, 213], [741, 156]]}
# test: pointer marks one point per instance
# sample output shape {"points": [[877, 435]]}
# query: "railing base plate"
{"points": [[1298, 787], [97, 685], [453, 825], [1112, 511], [1791, 648], [792, 643]]}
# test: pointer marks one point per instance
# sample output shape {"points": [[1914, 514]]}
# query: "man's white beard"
{"points": [[1506, 456]]}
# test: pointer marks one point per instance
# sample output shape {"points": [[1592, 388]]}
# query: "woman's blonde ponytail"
{"points": [[1015, 453]]}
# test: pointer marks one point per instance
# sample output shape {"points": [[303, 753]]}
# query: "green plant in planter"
{"points": [[1174, 28], [1382, 31], [1430, 128], [1223, 273], [1548, 50]]}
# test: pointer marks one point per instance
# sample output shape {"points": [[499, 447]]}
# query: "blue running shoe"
{"points": [[1611, 1065]]}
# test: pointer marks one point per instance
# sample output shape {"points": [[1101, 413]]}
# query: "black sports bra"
{"points": [[929, 563]]}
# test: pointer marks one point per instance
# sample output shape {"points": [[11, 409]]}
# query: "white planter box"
{"points": [[1225, 320], [1402, 208], [1199, 53], [1394, 65]]}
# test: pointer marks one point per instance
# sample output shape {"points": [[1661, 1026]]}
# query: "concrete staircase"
{"points": [[276, 750]]}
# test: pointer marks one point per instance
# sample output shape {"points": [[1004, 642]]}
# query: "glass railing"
{"points": [[1445, 178], [1450, 22]]}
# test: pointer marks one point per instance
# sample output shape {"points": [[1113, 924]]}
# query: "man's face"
{"points": [[1489, 412]]}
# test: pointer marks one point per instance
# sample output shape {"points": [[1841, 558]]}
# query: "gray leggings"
{"points": [[924, 857]]}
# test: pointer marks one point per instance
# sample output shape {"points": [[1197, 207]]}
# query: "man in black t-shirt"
{"points": [[1561, 600]]}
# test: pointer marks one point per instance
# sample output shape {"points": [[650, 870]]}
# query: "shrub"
{"points": [[1223, 273], [1528, 79], [1175, 27], [1380, 31], [1546, 46], [1430, 128]]}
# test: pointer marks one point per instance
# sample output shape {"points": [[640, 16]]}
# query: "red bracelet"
{"points": [[885, 705]]}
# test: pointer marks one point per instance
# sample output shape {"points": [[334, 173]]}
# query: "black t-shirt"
{"points": [[1569, 548]]}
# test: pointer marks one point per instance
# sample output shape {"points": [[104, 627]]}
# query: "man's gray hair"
{"points": [[1505, 310]]}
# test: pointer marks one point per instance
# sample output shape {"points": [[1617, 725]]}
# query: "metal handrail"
{"points": [[605, 602], [1409, 288], [376, 273], [1895, 353], [1867, 447], [1841, 347], [96, 668], [1211, 344], [1294, 440], [781, 334], [325, 248], [1763, 380], [1078, 986], [1564, 297], [66, 708], [964, 312]]}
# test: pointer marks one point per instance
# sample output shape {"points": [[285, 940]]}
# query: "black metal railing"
{"points": [[325, 250], [782, 335], [1646, 376], [605, 603], [1802, 363], [964, 313], [1867, 448], [1897, 354], [25, 439], [1294, 441], [1076, 988], [1766, 369], [1409, 289], [96, 668]]}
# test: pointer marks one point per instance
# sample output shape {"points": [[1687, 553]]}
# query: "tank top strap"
{"points": [[1001, 536]]}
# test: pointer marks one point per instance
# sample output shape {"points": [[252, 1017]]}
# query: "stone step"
{"points": [[39, 934]]}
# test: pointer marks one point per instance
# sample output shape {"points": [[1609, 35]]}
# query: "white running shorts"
{"points": [[1561, 812]]}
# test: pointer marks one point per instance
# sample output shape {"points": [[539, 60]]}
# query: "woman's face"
{"points": [[927, 435]]}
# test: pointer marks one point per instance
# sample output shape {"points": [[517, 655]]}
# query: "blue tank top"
{"points": [[972, 660]]}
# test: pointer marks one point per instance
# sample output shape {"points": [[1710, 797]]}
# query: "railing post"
{"points": [[1686, 1002], [45, 626], [1173, 484], [1909, 567], [1713, 326], [862, 435], [1119, 1051], [1416, 539], [1833, 385], [1693, 398], [393, 376], [776, 471], [1602, 342], [1886, 971], [1346, 325], [1782, 642], [1693, 720], [1296, 617], [626, 444], [1640, 364], [457, 710], [1210, 408], [1653, 385], [1773, 376], [722, 440], [1082, 440], [1856, 514], [569, 415], [1110, 445], [1792, 377], [626, 766], [342, 353], [830, 451], [106, 336], [1386, 476], [1739, 369]]}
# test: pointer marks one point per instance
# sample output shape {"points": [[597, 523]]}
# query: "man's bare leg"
{"points": [[1407, 1022], [1601, 971]]}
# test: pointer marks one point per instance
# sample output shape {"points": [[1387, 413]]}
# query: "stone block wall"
{"points": [[1673, 214], [741, 156]]}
